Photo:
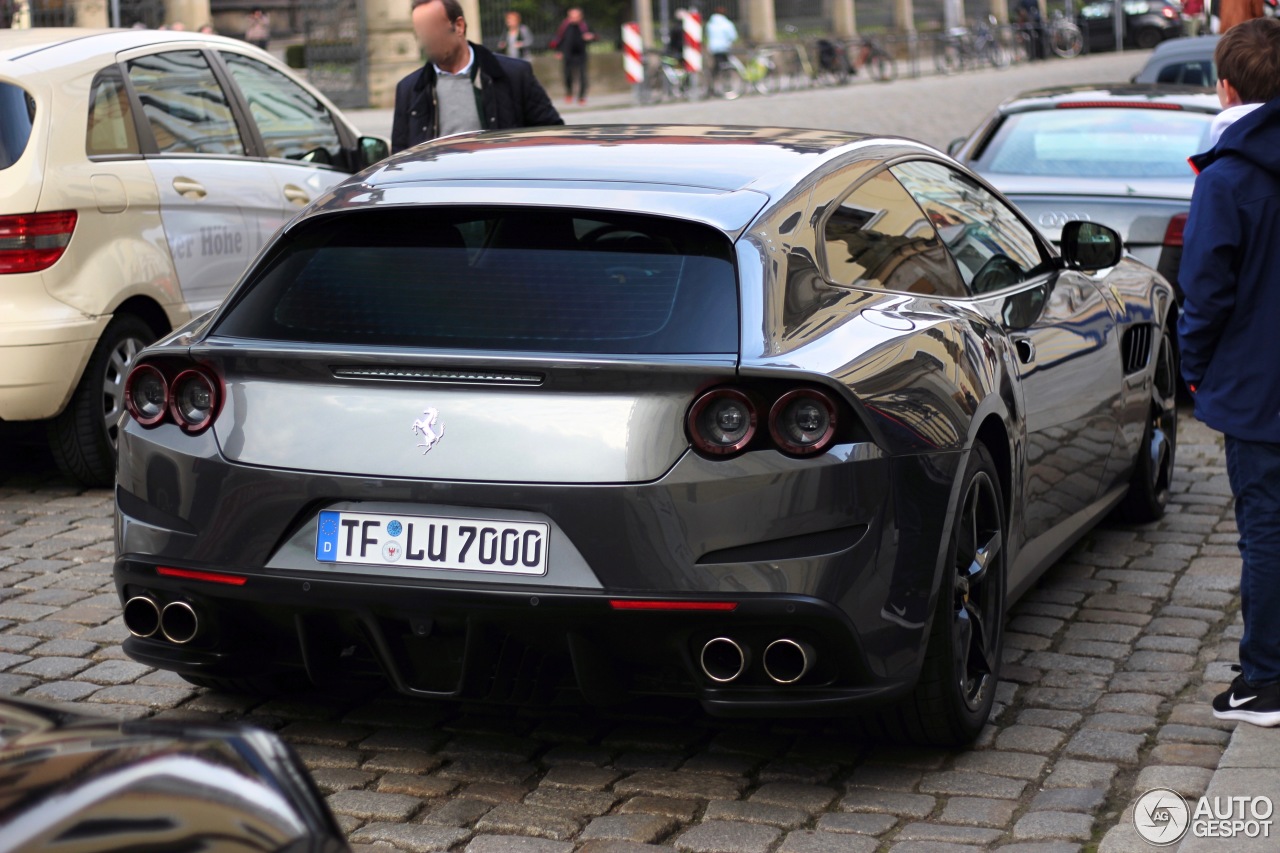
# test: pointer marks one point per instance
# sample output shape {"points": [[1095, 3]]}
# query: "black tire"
{"points": [[952, 701], [1148, 494], [83, 437], [276, 685], [1147, 38]]}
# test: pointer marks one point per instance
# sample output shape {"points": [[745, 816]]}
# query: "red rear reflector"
{"points": [[31, 242], [192, 574], [1173, 234], [649, 604], [1128, 105]]}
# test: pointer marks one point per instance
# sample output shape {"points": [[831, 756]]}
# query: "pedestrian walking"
{"points": [[570, 44], [720, 35], [1230, 276], [463, 86], [1192, 17], [258, 33], [517, 38]]}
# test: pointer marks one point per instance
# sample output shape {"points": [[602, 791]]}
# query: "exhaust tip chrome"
{"points": [[787, 661], [142, 616], [178, 622], [722, 660]]}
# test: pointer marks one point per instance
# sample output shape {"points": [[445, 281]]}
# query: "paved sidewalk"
{"points": [[1249, 768]]}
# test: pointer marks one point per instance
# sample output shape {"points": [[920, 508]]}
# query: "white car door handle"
{"points": [[296, 194], [188, 188]]}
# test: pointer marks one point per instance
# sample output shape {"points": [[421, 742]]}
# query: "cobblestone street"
{"points": [[1109, 665]]}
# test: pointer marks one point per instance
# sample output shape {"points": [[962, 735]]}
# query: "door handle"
{"points": [[190, 189], [296, 194], [1025, 349]]}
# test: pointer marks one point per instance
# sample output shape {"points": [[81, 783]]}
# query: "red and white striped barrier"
{"points": [[632, 52], [693, 42]]}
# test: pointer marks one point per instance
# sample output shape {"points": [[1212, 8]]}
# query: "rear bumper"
{"points": [[841, 551], [40, 365], [508, 645]]}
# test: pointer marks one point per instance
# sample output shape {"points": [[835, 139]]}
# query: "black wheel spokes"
{"points": [[977, 589], [1164, 417]]}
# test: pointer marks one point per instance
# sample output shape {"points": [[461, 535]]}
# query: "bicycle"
{"points": [[1018, 42], [1065, 37], [871, 55], [987, 47], [832, 67], [665, 78], [961, 48], [733, 77]]}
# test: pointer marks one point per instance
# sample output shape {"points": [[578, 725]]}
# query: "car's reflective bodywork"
{"points": [[821, 505], [76, 782]]}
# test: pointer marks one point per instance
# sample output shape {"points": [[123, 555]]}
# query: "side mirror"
{"points": [[955, 145], [1090, 246], [372, 149]]}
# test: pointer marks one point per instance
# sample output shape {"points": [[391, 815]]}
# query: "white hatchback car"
{"points": [[140, 172]]}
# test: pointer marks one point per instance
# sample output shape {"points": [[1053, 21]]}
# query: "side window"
{"points": [[991, 245], [110, 129], [877, 236], [294, 125], [182, 101]]}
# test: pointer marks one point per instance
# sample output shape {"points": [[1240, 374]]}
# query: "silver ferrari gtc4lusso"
{"points": [[778, 420]]}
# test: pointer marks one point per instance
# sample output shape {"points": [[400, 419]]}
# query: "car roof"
{"points": [[1137, 95], [53, 46], [1183, 47], [723, 158], [721, 176]]}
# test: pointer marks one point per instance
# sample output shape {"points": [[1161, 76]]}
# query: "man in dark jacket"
{"points": [[463, 86], [1230, 324], [570, 43]]}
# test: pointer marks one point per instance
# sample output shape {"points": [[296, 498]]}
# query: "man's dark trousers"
{"points": [[1254, 470]]}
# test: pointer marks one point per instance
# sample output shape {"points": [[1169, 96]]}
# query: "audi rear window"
{"points": [[521, 279], [17, 114], [1098, 142]]}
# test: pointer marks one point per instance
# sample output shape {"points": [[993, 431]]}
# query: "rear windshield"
{"points": [[17, 112], [1103, 142], [515, 279]]}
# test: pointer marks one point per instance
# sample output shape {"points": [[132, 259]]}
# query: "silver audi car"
{"points": [[779, 420]]}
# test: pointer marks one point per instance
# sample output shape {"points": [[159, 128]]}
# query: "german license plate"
{"points": [[433, 542]]}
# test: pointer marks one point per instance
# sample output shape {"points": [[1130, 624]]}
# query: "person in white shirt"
{"points": [[719, 36]]}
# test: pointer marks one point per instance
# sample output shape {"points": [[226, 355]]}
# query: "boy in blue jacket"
{"points": [[1229, 330]]}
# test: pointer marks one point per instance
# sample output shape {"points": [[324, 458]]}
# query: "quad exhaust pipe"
{"points": [[177, 621], [141, 616], [786, 661], [723, 660]]}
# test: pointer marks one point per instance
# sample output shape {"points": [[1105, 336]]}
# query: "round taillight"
{"points": [[722, 421], [193, 400], [803, 421], [146, 395]]}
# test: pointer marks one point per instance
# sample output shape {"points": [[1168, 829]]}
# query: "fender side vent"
{"points": [[1135, 346]]}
